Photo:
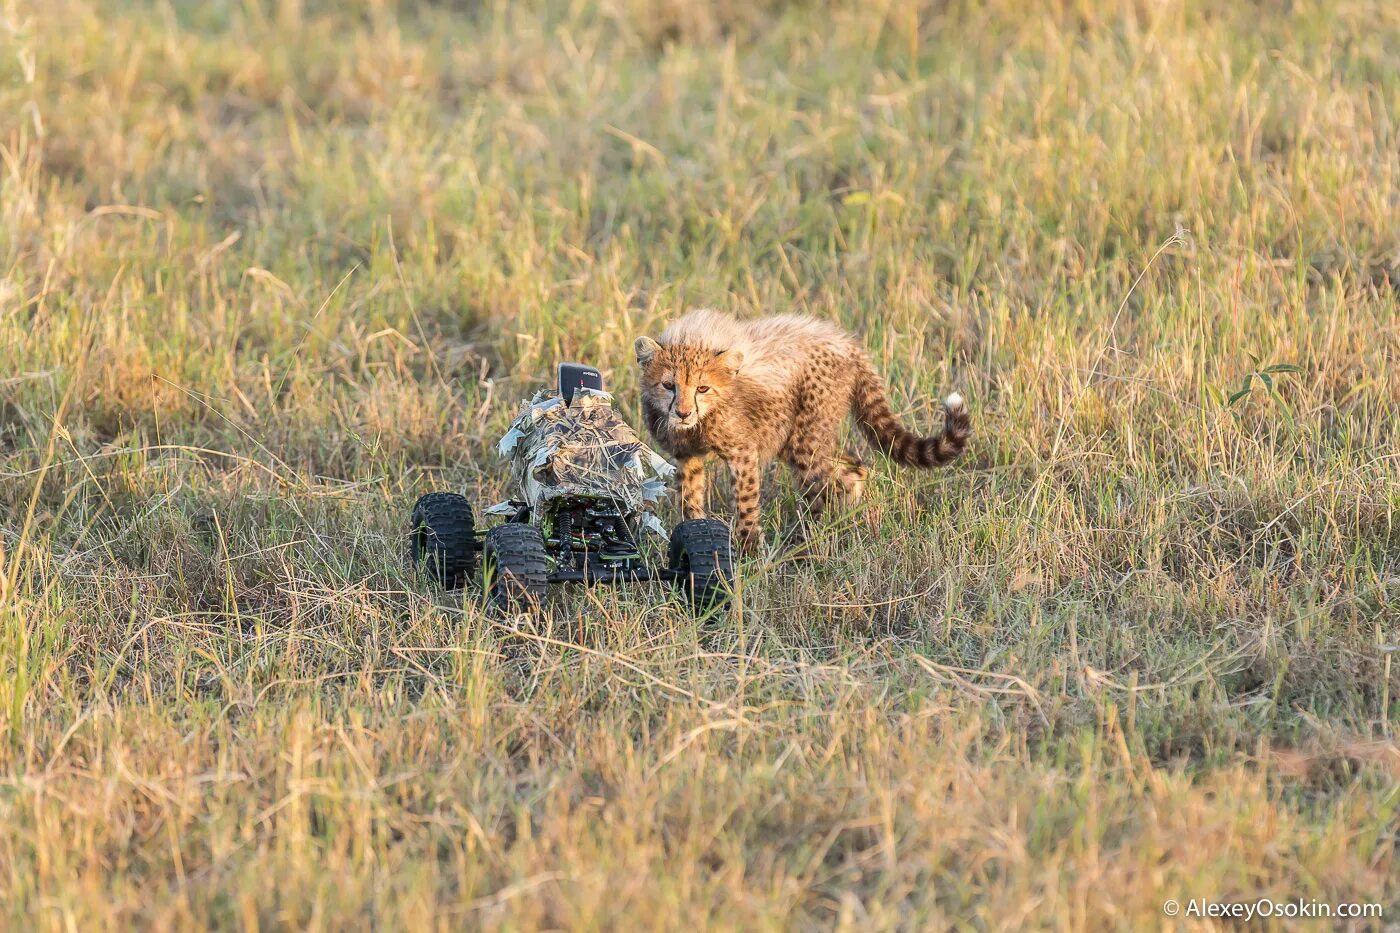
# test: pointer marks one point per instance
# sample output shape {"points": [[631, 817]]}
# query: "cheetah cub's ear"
{"points": [[730, 359], [645, 348]]}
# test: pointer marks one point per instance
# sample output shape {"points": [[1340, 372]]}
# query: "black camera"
{"points": [[575, 376]]}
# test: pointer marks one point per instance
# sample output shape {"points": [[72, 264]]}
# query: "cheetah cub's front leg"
{"points": [[747, 474], [693, 487]]}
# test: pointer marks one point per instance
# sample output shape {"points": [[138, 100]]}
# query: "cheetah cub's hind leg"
{"points": [[851, 473], [830, 479], [831, 492]]}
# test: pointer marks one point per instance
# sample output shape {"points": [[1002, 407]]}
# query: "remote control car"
{"points": [[584, 487]]}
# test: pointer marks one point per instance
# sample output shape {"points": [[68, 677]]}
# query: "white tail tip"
{"points": [[954, 401]]}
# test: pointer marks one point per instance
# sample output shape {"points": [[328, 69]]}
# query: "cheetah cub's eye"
{"points": [[702, 389], [669, 386]]}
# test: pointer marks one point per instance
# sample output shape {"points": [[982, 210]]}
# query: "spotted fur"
{"points": [[775, 388]]}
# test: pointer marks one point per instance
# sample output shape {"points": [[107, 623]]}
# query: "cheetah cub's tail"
{"points": [[871, 407]]}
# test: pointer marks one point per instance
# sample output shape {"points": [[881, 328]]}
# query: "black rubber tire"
{"points": [[442, 538], [702, 554], [514, 567]]}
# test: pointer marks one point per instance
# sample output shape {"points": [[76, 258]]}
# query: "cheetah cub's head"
{"points": [[685, 383]]}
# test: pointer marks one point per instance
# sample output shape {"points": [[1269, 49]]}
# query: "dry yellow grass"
{"points": [[271, 268]]}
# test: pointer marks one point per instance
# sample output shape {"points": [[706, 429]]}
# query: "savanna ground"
{"points": [[273, 268]]}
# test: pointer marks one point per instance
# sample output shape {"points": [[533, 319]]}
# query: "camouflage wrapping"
{"points": [[582, 450]]}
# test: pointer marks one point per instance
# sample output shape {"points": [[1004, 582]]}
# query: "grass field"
{"points": [[270, 269]]}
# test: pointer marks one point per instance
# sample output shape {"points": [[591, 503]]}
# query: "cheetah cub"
{"points": [[754, 391]]}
